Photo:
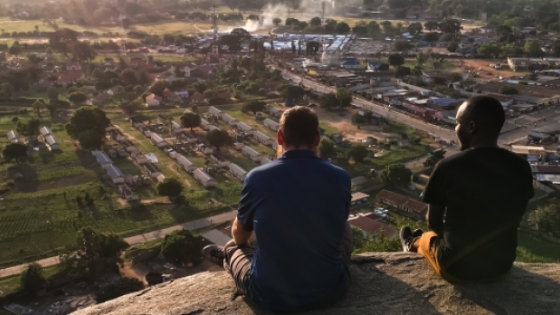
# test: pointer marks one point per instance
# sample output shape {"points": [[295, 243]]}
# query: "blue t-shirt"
{"points": [[298, 207]]}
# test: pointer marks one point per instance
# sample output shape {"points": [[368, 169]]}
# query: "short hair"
{"points": [[487, 112], [299, 126]]}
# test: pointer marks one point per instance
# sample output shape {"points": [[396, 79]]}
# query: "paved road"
{"points": [[138, 239]]}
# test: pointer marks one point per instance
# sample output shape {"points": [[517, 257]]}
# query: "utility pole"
{"points": [[215, 47]]}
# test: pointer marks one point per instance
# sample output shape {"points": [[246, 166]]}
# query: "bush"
{"points": [[123, 286]]}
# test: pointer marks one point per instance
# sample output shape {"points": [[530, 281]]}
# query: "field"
{"points": [[532, 249]]}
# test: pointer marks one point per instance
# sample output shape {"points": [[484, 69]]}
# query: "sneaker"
{"points": [[417, 233], [406, 238], [214, 254]]}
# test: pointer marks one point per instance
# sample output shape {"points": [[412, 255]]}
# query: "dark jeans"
{"points": [[238, 261]]}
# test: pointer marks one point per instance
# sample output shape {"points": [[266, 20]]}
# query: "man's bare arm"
{"points": [[435, 218], [240, 235]]}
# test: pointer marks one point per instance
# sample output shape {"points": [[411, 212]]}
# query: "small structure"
{"points": [[204, 123], [244, 127], [275, 112], [238, 145], [52, 143], [211, 127], [176, 128], [237, 171], [203, 178], [45, 131], [214, 111], [185, 163], [153, 100], [13, 136], [157, 140], [274, 145], [152, 170], [372, 224], [250, 153], [230, 120], [219, 160], [115, 173], [265, 161], [205, 149], [139, 157], [271, 124], [359, 198], [262, 138], [414, 207], [102, 158]]}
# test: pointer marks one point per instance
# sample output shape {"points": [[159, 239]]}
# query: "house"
{"points": [[271, 124], [204, 123], [70, 77], [250, 153], [412, 206], [359, 198], [52, 143], [153, 100], [215, 112], [169, 96], [152, 170], [185, 163], [157, 140], [45, 131], [102, 158], [139, 157], [265, 161], [274, 145], [238, 145], [373, 225], [74, 66], [373, 65], [262, 138], [115, 173], [13, 136], [186, 70], [197, 98], [203, 178], [220, 160], [211, 127], [176, 128], [205, 149], [275, 112], [350, 64], [182, 94], [229, 119], [237, 171], [242, 127], [101, 99]]}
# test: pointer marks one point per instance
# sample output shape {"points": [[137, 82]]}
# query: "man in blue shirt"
{"points": [[298, 207]]}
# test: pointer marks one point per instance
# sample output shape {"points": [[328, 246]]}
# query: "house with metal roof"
{"points": [[157, 140], [45, 131], [265, 161], [244, 127], [215, 112], [237, 171], [230, 120], [13, 136], [185, 163], [115, 173], [176, 128], [211, 127], [262, 138], [271, 124], [275, 112], [102, 158], [204, 123], [350, 64], [251, 153], [52, 143], [203, 178]]}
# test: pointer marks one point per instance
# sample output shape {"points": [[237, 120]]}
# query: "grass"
{"points": [[12, 284], [533, 249], [328, 128], [428, 65]]}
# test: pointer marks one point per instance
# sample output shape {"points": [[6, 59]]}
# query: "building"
{"points": [[153, 100], [372, 224], [185, 163], [265, 161], [359, 198], [176, 128], [211, 127], [13, 136], [412, 206], [153, 170], [237, 171], [219, 160], [204, 123], [215, 112], [101, 99], [102, 158], [252, 154], [373, 65], [244, 127], [275, 112], [229, 119], [157, 140], [271, 124], [262, 138], [45, 131], [115, 173], [170, 96], [350, 64], [203, 178], [52, 143]]}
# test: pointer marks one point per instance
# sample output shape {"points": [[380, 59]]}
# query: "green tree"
{"points": [[253, 106], [533, 48], [38, 106], [52, 93], [77, 98], [344, 97], [82, 51], [547, 219], [158, 87], [358, 153], [451, 26], [170, 187], [415, 28], [190, 120], [556, 48], [374, 242], [397, 174], [96, 253], [90, 139], [276, 21], [342, 28], [128, 76], [402, 71], [326, 149], [32, 279], [29, 128], [15, 49], [121, 95], [292, 92], [123, 286], [489, 49], [508, 90], [434, 158], [182, 246], [87, 118], [218, 138], [402, 45], [328, 100], [131, 107], [452, 46], [15, 151], [396, 60]]}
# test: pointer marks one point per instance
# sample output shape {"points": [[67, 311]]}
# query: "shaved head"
{"points": [[480, 117]]}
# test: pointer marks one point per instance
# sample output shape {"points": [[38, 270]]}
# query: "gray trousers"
{"points": [[238, 261]]}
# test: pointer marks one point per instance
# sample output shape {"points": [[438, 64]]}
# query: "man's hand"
{"points": [[239, 234]]}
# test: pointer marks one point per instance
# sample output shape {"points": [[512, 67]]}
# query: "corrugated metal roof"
{"points": [[103, 159], [244, 127], [214, 110], [50, 140], [45, 130], [201, 175], [12, 134], [250, 151], [157, 138], [237, 169], [114, 172], [261, 136], [228, 118], [183, 160]]}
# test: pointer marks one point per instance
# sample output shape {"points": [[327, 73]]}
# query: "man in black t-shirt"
{"points": [[476, 200]]}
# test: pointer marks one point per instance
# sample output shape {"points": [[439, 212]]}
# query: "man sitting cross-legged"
{"points": [[298, 206], [476, 200]]}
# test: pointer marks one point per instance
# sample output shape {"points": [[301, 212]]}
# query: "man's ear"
{"points": [[472, 126], [317, 140], [280, 138]]}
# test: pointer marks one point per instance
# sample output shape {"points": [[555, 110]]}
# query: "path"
{"points": [[136, 240]]}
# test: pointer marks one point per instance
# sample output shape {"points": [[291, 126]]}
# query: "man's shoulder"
{"points": [[465, 157], [280, 165]]}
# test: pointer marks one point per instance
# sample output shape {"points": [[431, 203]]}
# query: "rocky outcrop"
{"points": [[382, 283]]}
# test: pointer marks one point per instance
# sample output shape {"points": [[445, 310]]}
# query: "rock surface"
{"points": [[382, 283]]}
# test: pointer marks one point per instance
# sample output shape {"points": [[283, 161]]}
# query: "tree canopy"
{"points": [[358, 153], [124, 285], [170, 187], [87, 118], [218, 138], [253, 106], [396, 60], [397, 174], [190, 120], [547, 219], [182, 246], [326, 149], [434, 158], [344, 97], [32, 279], [15, 151]]}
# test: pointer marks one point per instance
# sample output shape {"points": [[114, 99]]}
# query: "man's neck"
{"points": [[486, 143]]}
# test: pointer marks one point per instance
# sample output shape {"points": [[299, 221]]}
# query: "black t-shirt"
{"points": [[485, 192]]}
